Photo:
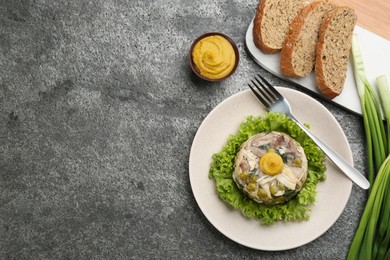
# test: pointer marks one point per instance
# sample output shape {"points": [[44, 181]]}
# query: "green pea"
{"points": [[244, 176], [273, 190], [252, 179], [297, 162], [261, 193], [251, 187]]}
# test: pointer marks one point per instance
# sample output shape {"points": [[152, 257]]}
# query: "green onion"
{"points": [[372, 116], [372, 238], [382, 241], [362, 244], [384, 95]]}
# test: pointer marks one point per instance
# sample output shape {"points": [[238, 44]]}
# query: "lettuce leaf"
{"points": [[222, 165]]}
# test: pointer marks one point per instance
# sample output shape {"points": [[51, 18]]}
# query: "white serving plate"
{"points": [[376, 55]]}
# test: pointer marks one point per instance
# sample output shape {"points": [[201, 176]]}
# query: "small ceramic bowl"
{"points": [[195, 69]]}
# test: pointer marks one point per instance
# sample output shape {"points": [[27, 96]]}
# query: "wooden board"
{"points": [[373, 15]]}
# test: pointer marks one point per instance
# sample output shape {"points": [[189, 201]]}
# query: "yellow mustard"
{"points": [[214, 57], [271, 163]]}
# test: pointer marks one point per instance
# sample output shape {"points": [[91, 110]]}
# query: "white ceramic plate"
{"points": [[332, 196], [376, 55]]}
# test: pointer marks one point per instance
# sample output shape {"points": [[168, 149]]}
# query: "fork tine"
{"points": [[265, 102], [276, 93], [264, 90]]}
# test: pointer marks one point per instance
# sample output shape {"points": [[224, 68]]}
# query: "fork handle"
{"points": [[343, 165]]}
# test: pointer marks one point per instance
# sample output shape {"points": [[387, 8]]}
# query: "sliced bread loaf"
{"points": [[298, 54], [271, 23], [333, 49]]}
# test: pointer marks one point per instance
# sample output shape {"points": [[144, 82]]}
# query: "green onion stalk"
{"points": [[372, 115], [372, 238], [384, 95]]}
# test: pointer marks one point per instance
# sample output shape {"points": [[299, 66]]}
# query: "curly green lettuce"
{"points": [[222, 166]]}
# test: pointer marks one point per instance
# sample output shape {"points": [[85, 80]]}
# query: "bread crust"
{"points": [[257, 30], [289, 45], [322, 85]]}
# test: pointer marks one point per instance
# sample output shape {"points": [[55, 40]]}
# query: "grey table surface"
{"points": [[98, 111]]}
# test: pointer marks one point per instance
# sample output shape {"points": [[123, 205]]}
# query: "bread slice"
{"points": [[271, 23], [298, 54], [333, 49]]}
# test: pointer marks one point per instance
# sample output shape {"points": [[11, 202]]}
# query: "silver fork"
{"points": [[274, 101]]}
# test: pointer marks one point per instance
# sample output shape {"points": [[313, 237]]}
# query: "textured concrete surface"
{"points": [[98, 110]]}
